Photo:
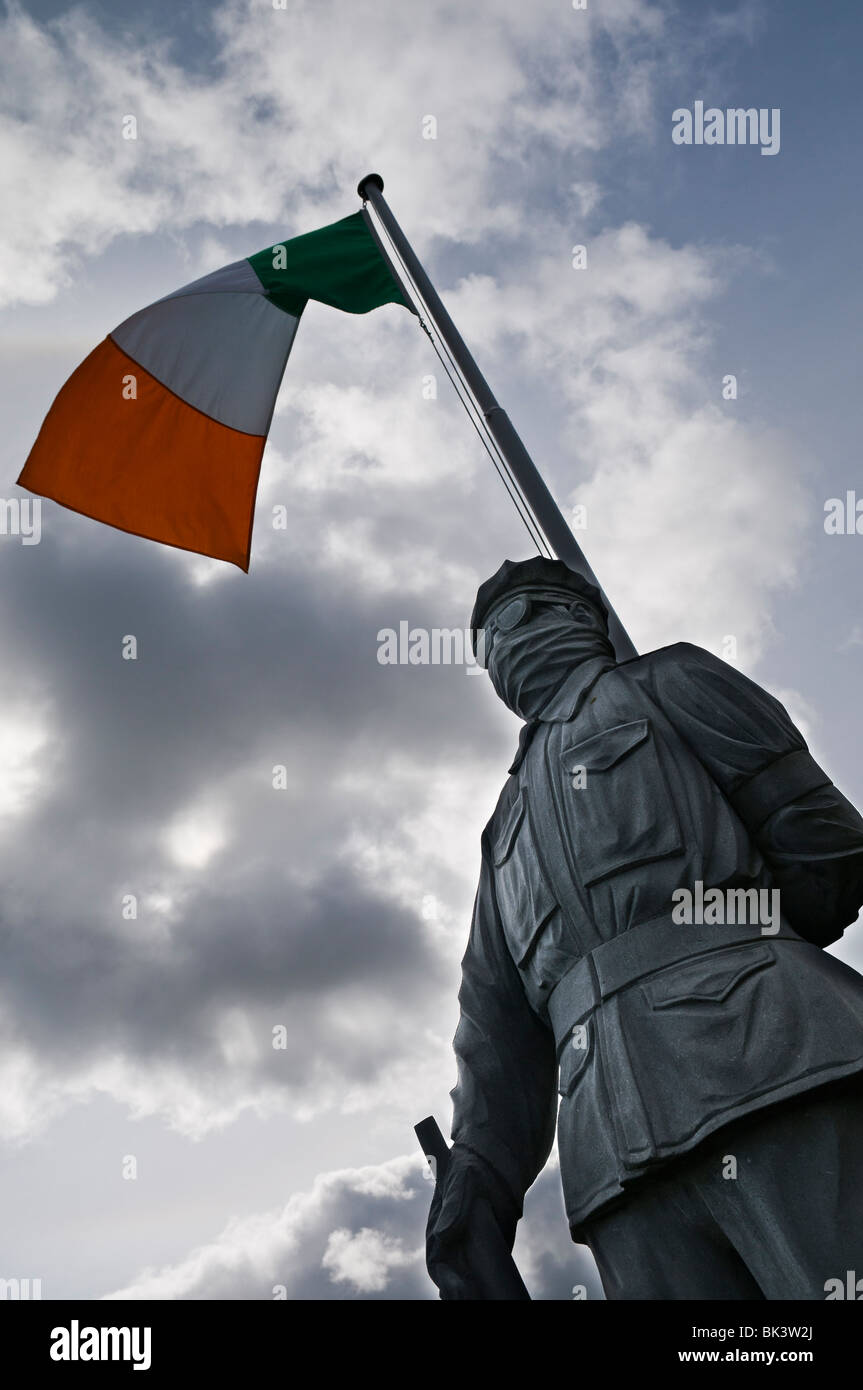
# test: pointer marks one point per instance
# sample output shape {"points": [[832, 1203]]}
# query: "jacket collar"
{"points": [[565, 703]]}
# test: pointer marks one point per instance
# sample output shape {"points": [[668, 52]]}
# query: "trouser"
{"points": [[770, 1207]]}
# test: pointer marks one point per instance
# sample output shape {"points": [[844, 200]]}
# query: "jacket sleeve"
{"points": [[505, 1101], [808, 832]]}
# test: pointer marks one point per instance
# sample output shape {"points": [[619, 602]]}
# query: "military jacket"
{"points": [[586, 1001]]}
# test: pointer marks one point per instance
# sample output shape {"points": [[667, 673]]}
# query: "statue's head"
{"points": [[532, 624]]}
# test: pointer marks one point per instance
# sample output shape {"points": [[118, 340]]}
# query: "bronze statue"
{"points": [[663, 868]]}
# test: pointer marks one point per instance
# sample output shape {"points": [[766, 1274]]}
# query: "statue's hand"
{"points": [[469, 1178]]}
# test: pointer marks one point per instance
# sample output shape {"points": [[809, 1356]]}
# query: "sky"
{"points": [[153, 1141]]}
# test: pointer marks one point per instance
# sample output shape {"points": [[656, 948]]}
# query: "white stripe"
{"points": [[225, 354], [236, 278]]}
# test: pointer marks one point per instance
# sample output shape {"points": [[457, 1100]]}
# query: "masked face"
{"points": [[534, 641]]}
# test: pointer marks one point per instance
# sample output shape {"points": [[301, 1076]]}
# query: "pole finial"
{"points": [[370, 178]]}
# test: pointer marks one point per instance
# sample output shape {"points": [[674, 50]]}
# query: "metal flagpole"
{"points": [[540, 501]]}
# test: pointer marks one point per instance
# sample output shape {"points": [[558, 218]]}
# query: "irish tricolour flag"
{"points": [[161, 430]]}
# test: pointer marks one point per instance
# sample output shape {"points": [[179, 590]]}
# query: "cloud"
{"points": [[354, 1234], [364, 1260], [359, 1234], [285, 120], [261, 908], [696, 519], [25, 733]]}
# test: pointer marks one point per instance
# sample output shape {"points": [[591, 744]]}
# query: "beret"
{"points": [[517, 576]]}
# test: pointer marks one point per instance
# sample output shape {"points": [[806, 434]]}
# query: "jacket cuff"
{"points": [[505, 1169]]}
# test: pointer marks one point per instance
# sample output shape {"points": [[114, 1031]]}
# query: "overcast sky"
{"points": [[338, 906]]}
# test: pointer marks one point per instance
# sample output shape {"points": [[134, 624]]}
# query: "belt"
{"points": [[643, 949]]}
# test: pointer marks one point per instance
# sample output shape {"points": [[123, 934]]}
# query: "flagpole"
{"points": [[543, 506]]}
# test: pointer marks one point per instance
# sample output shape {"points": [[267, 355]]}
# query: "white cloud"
{"points": [[26, 736], [308, 1247], [364, 1260], [195, 835], [287, 121], [360, 1233]]}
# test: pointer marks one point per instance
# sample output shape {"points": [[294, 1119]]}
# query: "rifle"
{"points": [[485, 1250]]}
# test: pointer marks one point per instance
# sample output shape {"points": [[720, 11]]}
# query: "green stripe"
{"points": [[339, 265]]}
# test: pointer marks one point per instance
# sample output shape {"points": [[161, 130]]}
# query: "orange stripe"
{"points": [[154, 465]]}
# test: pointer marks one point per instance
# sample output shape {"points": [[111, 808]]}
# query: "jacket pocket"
{"points": [[505, 837], [524, 896], [623, 815], [708, 980], [697, 1040]]}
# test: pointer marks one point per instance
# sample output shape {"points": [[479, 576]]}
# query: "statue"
{"points": [[662, 871]]}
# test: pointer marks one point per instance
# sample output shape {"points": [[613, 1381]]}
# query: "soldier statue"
{"points": [[702, 1066]]}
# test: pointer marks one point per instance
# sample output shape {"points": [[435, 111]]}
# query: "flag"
{"points": [[161, 430]]}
